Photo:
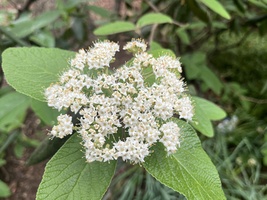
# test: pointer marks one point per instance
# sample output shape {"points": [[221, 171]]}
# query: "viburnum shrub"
{"points": [[126, 99], [139, 113]]}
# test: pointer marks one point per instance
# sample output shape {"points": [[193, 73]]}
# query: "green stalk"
{"points": [[9, 140]]}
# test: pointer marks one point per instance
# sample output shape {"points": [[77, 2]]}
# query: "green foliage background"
{"points": [[222, 45]]}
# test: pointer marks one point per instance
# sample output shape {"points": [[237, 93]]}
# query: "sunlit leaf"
{"points": [[216, 7], [114, 27], [189, 171], [153, 18], [212, 111], [68, 176], [31, 70]]}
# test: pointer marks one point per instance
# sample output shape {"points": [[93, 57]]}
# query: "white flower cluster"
{"points": [[121, 114]]}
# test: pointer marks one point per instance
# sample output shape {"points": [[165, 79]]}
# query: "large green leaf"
{"points": [[153, 18], [13, 108], [189, 171], [31, 70], [68, 176], [114, 27], [216, 7], [212, 111]]}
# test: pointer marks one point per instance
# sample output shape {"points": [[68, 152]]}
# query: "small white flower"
{"points": [[136, 45], [63, 128]]}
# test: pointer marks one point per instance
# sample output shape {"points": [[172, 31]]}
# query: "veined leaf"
{"points": [[153, 18], [114, 27], [216, 7], [67, 176], [189, 171], [31, 70]]}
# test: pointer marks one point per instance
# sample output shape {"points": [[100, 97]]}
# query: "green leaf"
{"points": [[149, 76], [11, 137], [25, 28], [198, 11], [153, 18], [68, 176], [69, 4], [100, 11], [195, 68], [44, 112], [154, 46], [44, 38], [258, 3], [212, 111], [161, 52], [212, 81], [4, 190], [189, 171], [13, 108], [204, 112], [19, 150], [31, 70], [78, 28], [192, 63], [216, 7], [2, 162], [114, 27], [46, 149], [181, 32], [5, 90], [201, 122]]}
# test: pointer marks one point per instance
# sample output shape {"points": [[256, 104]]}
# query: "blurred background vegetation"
{"points": [[223, 48]]}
